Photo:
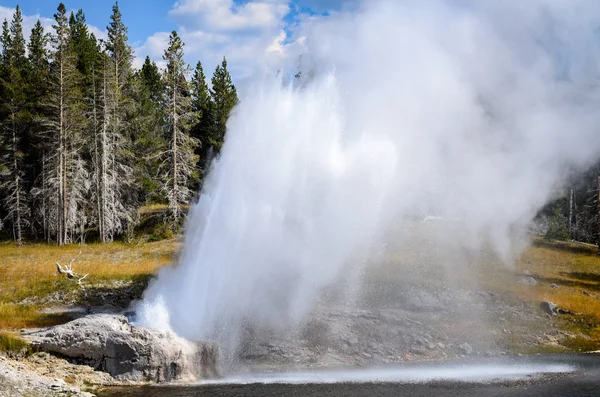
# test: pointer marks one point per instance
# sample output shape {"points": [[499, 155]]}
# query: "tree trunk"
{"points": [[62, 210], [104, 160], [17, 209], [571, 214], [175, 204], [96, 151], [45, 212]]}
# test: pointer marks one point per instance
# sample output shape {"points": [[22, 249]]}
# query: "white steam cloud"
{"points": [[465, 109]]}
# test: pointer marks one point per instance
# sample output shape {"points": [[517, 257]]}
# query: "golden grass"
{"points": [[15, 316], [28, 276], [568, 275], [13, 344], [153, 208]]}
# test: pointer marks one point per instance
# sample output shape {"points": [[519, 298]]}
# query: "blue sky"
{"points": [[249, 33]]}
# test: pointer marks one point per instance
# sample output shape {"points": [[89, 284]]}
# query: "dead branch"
{"points": [[68, 271]]}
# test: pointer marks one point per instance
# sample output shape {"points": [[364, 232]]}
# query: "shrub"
{"points": [[557, 226], [13, 345]]}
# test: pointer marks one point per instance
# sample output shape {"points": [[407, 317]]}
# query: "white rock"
{"points": [[128, 352]]}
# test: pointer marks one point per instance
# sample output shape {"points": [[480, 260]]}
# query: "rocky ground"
{"points": [[392, 321], [45, 375], [418, 324]]}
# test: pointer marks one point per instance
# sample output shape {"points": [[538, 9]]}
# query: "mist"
{"points": [[470, 110]]}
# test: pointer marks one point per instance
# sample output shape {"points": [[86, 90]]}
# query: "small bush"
{"points": [[581, 343], [13, 345], [161, 232], [557, 227]]}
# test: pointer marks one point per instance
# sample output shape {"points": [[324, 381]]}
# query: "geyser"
{"points": [[470, 110]]}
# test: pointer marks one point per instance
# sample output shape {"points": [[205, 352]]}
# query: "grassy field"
{"points": [[29, 279], [568, 274]]}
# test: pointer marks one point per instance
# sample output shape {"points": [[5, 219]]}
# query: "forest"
{"points": [[87, 141]]}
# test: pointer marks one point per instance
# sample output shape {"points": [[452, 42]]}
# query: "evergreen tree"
{"points": [[118, 105], [66, 176], [38, 149], [150, 126], [224, 98], [4, 62], [85, 48], [151, 81], [5, 42], [202, 106], [87, 53], [181, 160], [13, 128]]}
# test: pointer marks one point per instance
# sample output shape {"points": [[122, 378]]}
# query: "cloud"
{"points": [[226, 15], [154, 47], [254, 36], [28, 20], [99, 33]]}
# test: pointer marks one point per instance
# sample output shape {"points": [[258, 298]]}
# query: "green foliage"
{"points": [[557, 227], [85, 139], [162, 231], [14, 118], [179, 166], [116, 44], [224, 98], [86, 50], [150, 80], [202, 106], [14, 346]]}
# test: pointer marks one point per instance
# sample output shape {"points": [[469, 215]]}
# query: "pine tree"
{"points": [[151, 80], [90, 68], [65, 172], [150, 126], [181, 161], [202, 106], [86, 50], [5, 42], [119, 110], [14, 121], [39, 150], [224, 98]]}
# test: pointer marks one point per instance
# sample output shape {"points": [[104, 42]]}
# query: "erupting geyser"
{"points": [[465, 109]]}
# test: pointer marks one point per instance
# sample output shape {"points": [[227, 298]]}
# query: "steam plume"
{"points": [[464, 109]]}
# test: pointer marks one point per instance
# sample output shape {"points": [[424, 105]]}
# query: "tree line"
{"points": [[86, 139], [575, 215]]}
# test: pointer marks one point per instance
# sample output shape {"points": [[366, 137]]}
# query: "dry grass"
{"points": [[156, 208], [13, 345], [28, 277], [153, 208], [568, 274], [15, 316]]}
